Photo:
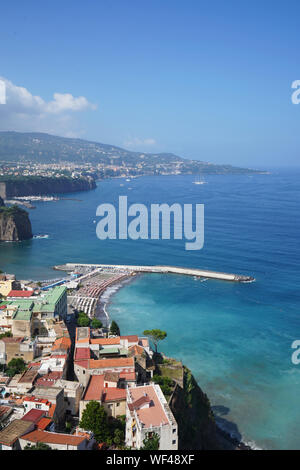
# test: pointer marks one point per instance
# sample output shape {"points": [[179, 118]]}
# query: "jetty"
{"points": [[158, 269]]}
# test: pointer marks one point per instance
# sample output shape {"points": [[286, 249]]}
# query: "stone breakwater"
{"points": [[161, 269]]}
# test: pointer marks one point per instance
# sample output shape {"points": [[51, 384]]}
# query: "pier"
{"points": [[159, 269]]}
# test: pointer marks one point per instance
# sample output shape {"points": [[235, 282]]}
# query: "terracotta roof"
{"points": [[51, 410], [96, 391], [53, 438], [94, 388], [43, 423], [108, 363], [130, 376], [49, 379], [139, 402], [33, 415], [61, 343], [136, 350], [113, 394], [105, 341], [20, 293], [131, 338], [82, 353]]}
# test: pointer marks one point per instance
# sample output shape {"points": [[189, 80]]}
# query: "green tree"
{"points": [[151, 443], [165, 383], [15, 366], [114, 328], [96, 323], [83, 319], [95, 419], [38, 446], [155, 336]]}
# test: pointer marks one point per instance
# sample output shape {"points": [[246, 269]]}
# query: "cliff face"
{"points": [[14, 224], [45, 186], [192, 411]]}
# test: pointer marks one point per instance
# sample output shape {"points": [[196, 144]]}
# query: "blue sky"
{"points": [[203, 79]]}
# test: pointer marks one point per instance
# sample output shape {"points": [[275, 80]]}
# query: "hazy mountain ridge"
{"points": [[46, 148]]}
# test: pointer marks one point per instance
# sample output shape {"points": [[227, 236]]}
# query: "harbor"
{"points": [[130, 269]]}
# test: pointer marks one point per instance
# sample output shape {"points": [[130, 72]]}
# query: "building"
{"points": [[72, 394], [105, 389], [5, 412], [54, 363], [9, 436], [48, 399], [56, 441], [147, 412], [28, 314], [84, 367], [17, 347], [25, 383], [6, 286]]}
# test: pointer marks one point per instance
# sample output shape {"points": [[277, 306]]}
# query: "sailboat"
{"points": [[199, 181]]}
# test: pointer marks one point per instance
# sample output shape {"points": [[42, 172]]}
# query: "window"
{"points": [[174, 442], [38, 406], [174, 430], [118, 404]]}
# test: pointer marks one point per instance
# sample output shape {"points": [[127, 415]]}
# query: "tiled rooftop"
{"points": [[53, 438]]}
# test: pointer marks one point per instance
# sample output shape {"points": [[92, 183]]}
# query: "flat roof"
{"points": [[151, 414], [28, 376], [109, 351], [13, 431], [82, 334]]}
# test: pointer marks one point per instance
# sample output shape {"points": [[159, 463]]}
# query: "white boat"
{"points": [[199, 181], [40, 236]]}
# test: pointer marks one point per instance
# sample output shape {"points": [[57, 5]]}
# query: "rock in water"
{"points": [[14, 223]]}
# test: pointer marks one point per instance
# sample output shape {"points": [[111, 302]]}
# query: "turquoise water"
{"points": [[236, 338]]}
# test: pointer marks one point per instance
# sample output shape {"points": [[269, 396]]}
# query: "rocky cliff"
{"points": [[193, 413], [14, 224], [41, 186]]}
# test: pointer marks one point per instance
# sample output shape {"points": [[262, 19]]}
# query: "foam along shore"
{"points": [[160, 269]]}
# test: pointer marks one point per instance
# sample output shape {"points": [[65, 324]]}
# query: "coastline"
{"points": [[104, 299], [226, 439]]}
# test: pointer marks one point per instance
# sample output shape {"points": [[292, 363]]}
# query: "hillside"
{"points": [[45, 148]]}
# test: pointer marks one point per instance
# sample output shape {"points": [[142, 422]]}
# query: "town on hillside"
{"points": [[69, 380]]}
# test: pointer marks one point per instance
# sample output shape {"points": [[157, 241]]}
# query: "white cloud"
{"points": [[136, 142], [26, 112]]}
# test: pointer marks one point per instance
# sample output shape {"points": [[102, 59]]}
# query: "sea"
{"points": [[235, 337]]}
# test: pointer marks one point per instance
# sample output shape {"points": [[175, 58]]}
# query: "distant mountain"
{"points": [[45, 148]]}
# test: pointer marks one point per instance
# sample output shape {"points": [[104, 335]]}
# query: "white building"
{"points": [[147, 412]]}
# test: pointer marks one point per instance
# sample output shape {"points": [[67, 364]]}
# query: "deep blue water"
{"points": [[236, 338]]}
